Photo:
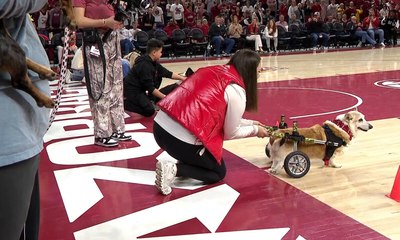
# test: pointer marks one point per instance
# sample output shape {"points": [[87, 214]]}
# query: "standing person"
{"points": [[23, 125], [103, 72], [192, 132], [177, 11], [158, 15], [142, 82]]}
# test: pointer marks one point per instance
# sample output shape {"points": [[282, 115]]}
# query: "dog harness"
{"points": [[332, 141]]}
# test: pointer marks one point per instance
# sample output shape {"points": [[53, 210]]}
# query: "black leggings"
{"points": [[19, 202], [190, 164]]}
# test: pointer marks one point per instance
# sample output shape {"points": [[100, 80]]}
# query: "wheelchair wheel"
{"points": [[297, 164]]}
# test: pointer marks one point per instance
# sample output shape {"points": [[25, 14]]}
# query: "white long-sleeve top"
{"points": [[234, 127]]}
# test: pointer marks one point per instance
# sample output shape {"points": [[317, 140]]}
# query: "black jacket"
{"points": [[145, 75]]}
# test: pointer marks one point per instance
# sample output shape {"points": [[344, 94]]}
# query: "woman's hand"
{"points": [[111, 23], [263, 132]]}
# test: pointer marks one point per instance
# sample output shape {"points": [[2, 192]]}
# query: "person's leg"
{"points": [[380, 34], [115, 91], [275, 43], [314, 39], [268, 40], [31, 230], [169, 88], [371, 33], [126, 67], [140, 103], [259, 45], [325, 39], [253, 38], [193, 161], [360, 35], [229, 44], [216, 41], [18, 197], [368, 39]]}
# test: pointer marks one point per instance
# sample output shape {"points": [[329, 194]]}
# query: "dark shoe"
{"points": [[106, 142], [121, 137], [189, 72]]}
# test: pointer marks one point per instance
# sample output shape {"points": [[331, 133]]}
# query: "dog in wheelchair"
{"points": [[342, 130]]}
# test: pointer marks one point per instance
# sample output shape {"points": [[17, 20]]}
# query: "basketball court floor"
{"points": [[92, 193]]}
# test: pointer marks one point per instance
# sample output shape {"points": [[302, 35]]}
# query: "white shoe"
{"points": [[382, 44], [165, 176]]}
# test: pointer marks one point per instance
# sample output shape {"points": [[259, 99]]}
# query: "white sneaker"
{"points": [[165, 176], [382, 44]]}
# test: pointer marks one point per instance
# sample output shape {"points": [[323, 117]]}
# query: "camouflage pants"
{"points": [[108, 110]]}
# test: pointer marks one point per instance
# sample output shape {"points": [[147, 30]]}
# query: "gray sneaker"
{"points": [[165, 176]]}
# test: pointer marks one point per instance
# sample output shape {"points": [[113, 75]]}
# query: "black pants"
{"points": [[20, 200], [204, 168], [142, 103]]}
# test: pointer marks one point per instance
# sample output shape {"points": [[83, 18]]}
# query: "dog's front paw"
{"points": [[45, 102], [335, 165], [273, 171], [49, 75]]}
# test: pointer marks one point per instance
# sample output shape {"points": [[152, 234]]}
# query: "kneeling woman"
{"points": [[203, 111]]}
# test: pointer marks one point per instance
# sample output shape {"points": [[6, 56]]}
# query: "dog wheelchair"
{"points": [[297, 163]]}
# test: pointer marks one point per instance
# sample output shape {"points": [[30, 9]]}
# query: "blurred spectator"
{"points": [[371, 23], [171, 26], [177, 11], [56, 18], [390, 27], [271, 33], [315, 27], [235, 31], [253, 34], [158, 15], [355, 28], [217, 35], [42, 20], [189, 16], [282, 22], [332, 9]]}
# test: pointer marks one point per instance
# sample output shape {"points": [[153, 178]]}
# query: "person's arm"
{"points": [[235, 126], [165, 73], [19, 8], [84, 22]]}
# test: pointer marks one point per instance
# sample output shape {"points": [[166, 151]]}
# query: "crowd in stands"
{"points": [[263, 25]]}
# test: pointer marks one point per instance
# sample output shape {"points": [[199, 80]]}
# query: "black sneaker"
{"points": [[106, 142], [121, 137]]}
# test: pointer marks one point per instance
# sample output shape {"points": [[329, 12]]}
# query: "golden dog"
{"points": [[344, 127]]}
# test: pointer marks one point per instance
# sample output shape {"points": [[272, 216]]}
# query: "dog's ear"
{"points": [[348, 117]]}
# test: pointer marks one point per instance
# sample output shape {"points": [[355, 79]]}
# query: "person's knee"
{"points": [[149, 111]]}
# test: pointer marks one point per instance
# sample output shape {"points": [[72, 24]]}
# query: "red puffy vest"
{"points": [[198, 104]]}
